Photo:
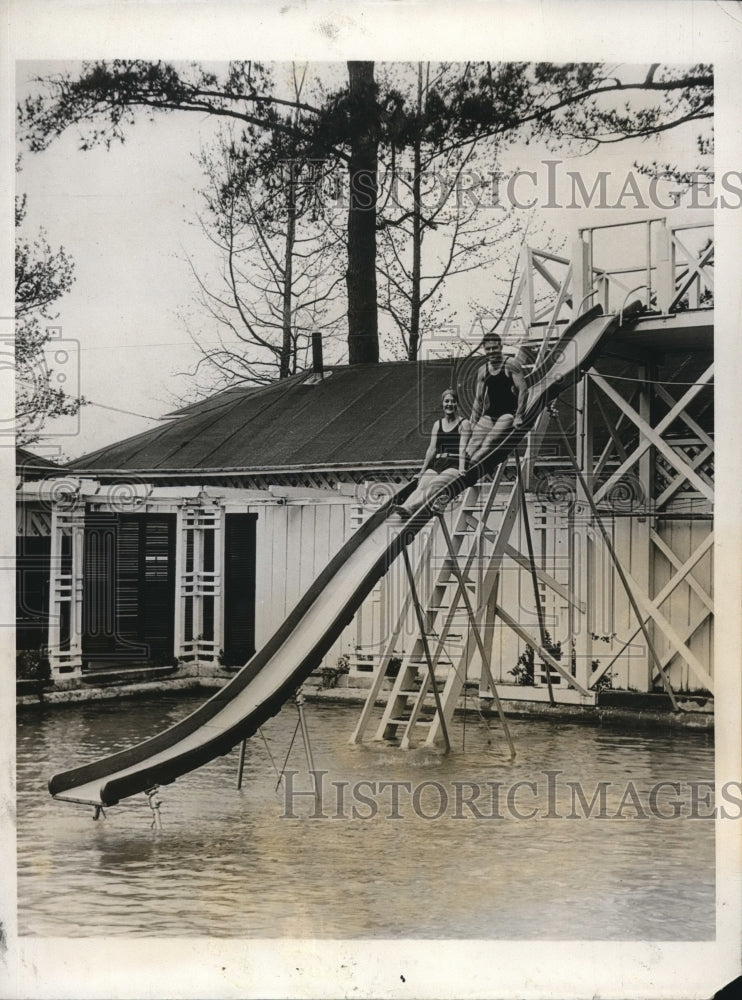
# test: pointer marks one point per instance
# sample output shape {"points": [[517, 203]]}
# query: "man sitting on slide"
{"points": [[499, 401]]}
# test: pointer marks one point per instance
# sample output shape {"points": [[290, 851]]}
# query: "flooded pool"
{"points": [[575, 839]]}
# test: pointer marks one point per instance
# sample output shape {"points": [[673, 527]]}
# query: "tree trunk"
{"points": [[363, 327], [416, 229], [288, 278]]}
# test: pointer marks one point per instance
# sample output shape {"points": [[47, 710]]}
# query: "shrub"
{"points": [[331, 675], [32, 665], [524, 670]]}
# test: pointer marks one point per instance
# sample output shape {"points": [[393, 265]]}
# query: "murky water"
{"points": [[226, 863]]}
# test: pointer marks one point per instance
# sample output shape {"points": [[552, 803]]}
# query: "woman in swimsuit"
{"points": [[499, 399], [444, 458]]}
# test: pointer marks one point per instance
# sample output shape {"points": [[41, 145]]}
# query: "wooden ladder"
{"points": [[409, 706]]}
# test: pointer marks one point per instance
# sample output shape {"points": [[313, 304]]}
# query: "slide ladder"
{"points": [[411, 702]]}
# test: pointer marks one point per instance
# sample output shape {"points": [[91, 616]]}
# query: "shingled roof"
{"points": [[364, 416], [31, 466]]}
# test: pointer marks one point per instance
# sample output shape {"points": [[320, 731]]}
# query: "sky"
{"points": [[128, 218]]}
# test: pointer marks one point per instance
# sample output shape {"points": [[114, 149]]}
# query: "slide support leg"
{"points": [[426, 647], [477, 634], [154, 804], [241, 764], [300, 699], [532, 564]]}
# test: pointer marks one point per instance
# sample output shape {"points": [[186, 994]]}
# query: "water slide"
{"points": [[274, 673]]}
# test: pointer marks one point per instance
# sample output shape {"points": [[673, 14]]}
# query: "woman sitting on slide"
{"points": [[444, 459], [499, 400]]}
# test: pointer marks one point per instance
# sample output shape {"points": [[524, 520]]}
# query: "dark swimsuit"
{"points": [[447, 448], [499, 395]]}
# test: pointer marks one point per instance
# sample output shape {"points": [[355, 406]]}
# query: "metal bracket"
{"points": [[154, 805]]}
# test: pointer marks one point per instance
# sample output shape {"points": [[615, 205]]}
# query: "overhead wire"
{"points": [[650, 381], [92, 402]]}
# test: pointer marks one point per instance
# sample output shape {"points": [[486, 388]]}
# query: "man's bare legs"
{"points": [[485, 435]]}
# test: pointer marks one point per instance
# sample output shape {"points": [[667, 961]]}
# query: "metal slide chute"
{"points": [[271, 676]]}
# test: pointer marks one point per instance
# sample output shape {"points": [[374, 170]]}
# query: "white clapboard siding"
{"points": [[294, 542]]}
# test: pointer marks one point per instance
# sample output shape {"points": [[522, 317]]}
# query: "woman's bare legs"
{"points": [[418, 497], [430, 483]]}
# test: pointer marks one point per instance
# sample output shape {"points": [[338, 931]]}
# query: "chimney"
{"points": [[317, 363]]}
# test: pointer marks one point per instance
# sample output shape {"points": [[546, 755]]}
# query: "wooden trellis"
{"points": [[665, 466], [66, 589], [198, 588]]}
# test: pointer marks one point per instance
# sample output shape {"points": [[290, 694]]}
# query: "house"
{"points": [[191, 542]]}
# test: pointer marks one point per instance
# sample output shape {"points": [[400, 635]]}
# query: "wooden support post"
{"points": [[154, 804], [529, 306], [583, 560], [488, 628], [535, 440], [642, 562], [665, 268], [241, 764], [300, 699], [581, 277], [532, 564], [562, 298], [424, 638], [475, 629], [617, 564]]}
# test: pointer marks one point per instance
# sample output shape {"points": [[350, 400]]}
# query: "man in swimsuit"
{"points": [[499, 399]]}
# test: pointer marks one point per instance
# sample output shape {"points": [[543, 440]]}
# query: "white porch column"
{"points": [[66, 590], [198, 583], [218, 582], [180, 588]]}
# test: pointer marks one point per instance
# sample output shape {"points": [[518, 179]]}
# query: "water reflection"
{"points": [[226, 864]]}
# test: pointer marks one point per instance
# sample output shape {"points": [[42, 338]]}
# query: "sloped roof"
{"points": [[28, 464], [367, 415], [210, 402]]}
